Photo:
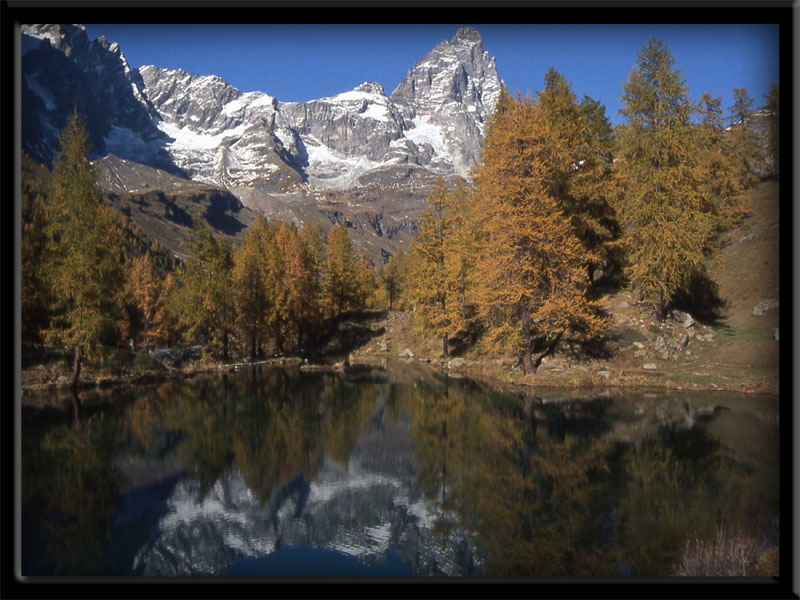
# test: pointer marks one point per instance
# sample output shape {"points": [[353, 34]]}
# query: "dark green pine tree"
{"points": [[771, 110], [83, 265], [665, 210], [203, 305], [746, 145]]}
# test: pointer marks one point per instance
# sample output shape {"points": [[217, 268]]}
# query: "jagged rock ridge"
{"points": [[372, 152]]}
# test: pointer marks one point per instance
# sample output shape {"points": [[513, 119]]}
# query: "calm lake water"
{"points": [[397, 472]]}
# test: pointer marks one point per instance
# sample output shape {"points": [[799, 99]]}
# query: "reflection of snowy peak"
{"points": [[360, 510]]}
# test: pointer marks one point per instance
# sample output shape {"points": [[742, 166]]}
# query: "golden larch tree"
{"points": [[429, 292], [145, 290], [531, 280], [579, 170], [249, 284], [666, 211]]}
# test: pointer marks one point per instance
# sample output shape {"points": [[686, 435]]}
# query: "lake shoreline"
{"points": [[480, 371]]}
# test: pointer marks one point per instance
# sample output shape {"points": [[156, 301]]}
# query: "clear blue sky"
{"points": [[304, 62]]}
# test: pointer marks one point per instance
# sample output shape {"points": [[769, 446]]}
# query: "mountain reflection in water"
{"points": [[378, 473]]}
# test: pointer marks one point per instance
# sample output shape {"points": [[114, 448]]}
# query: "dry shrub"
{"points": [[730, 553], [767, 564]]}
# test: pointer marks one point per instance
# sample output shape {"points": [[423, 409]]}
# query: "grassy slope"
{"points": [[738, 353]]}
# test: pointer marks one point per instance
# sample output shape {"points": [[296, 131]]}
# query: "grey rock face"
{"points": [[764, 307], [374, 156], [434, 119], [447, 98], [61, 70]]}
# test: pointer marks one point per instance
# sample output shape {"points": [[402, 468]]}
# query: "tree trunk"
{"points": [[76, 403], [252, 347], [444, 345], [661, 309], [301, 339], [76, 369], [527, 361], [463, 296], [548, 350]]}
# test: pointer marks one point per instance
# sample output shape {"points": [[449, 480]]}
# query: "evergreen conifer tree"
{"points": [[83, 251], [771, 109], [746, 145], [666, 211]]}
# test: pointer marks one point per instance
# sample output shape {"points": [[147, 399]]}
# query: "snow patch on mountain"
{"points": [[434, 119], [424, 131]]}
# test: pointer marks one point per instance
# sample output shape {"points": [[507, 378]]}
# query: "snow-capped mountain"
{"points": [[446, 99], [435, 119], [273, 156]]}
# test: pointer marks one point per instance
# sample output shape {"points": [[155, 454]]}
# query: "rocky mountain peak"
{"points": [[370, 87], [61, 70], [64, 38], [273, 156], [467, 35], [447, 97]]}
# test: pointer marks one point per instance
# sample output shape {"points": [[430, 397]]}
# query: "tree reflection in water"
{"points": [[539, 488], [71, 506]]}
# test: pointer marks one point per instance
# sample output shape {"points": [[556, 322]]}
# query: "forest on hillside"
{"points": [[559, 204]]}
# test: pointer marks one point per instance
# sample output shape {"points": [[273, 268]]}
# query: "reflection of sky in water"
{"points": [[307, 561]]}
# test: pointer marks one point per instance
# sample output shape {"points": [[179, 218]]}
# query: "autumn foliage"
{"points": [[559, 204], [532, 281]]}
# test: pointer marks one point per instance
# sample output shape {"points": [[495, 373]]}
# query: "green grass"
{"points": [[744, 333], [119, 358], [625, 336]]}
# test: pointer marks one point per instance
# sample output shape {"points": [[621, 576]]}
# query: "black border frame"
{"points": [[783, 12]]}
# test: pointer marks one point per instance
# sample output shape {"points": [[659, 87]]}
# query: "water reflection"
{"points": [[423, 474]]}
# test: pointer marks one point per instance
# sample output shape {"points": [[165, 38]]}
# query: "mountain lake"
{"points": [[389, 472]]}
